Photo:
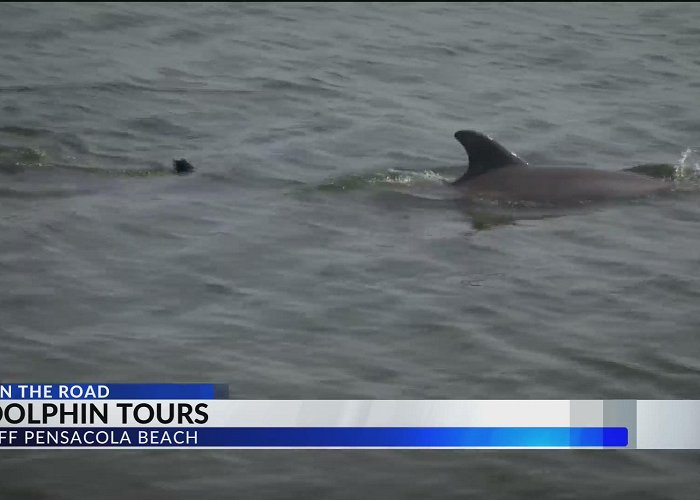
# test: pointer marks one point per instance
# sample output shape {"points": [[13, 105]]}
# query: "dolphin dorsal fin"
{"points": [[484, 154]]}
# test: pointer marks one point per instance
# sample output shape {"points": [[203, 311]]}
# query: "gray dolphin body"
{"points": [[497, 174]]}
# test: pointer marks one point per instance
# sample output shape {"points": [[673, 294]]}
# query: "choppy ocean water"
{"points": [[307, 258]]}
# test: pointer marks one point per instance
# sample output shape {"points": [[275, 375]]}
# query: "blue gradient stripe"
{"points": [[168, 391], [353, 437], [134, 391]]}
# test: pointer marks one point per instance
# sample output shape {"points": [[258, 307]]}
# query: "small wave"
{"points": [[40, 194], [119, 87], [20, 155], [688, 165], [156, 124], [408, 177], [14, 160], [392, 177]]}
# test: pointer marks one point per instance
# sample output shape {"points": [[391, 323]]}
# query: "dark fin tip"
{"points": [[484, 154], [182, 167]]}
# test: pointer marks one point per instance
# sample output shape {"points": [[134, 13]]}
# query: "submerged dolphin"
{"points": [[497, 174]]}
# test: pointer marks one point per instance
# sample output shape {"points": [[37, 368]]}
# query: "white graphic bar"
{"points": [[647, 424]]}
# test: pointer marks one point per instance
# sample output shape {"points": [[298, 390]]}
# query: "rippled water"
{"points": [[313, 253]]}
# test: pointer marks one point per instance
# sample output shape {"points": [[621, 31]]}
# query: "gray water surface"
{"points": [[296, 263]]}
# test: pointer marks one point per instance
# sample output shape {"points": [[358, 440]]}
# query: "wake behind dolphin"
{"points": [[494, 173]]}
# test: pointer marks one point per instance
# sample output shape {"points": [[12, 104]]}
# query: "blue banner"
{"points": [[112, 391], [322, 437]]}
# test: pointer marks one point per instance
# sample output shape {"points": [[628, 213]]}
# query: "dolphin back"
{"points": [[484, 154]]}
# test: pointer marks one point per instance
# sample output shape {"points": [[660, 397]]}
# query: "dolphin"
{"points": [[494, 173]]}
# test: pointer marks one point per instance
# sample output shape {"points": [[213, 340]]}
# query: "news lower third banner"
{"points": [[191, 416]]}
